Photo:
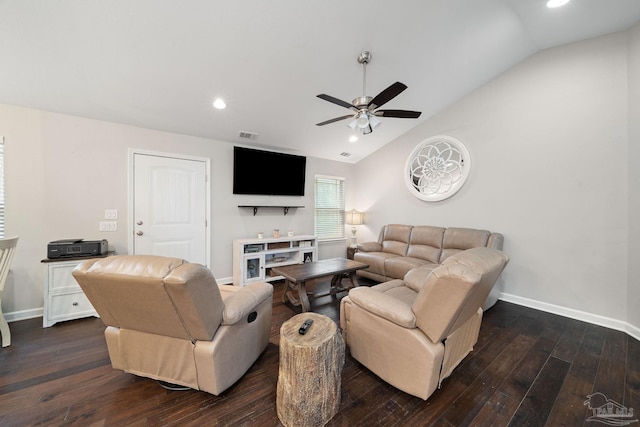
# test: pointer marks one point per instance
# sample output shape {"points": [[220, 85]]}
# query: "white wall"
{"points": [[62, 172], [548, 143], [633, 301]]}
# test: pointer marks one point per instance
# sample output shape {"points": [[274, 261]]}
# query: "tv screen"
{"points": [[268, 173]]}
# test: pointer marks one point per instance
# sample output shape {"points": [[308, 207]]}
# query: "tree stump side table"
{"points": [[308, 392]]}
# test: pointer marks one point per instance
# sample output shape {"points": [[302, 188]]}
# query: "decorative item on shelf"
{"points": [[354, 218], [290, 233], [276, 233], [278, 245], [261, 235], [252, 248]]}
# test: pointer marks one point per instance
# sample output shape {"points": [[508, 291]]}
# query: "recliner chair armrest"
{"points": [[370, 247], [243, 300], [383, 305]]}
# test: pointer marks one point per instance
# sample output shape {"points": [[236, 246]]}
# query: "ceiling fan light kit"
{"points": [[363, 121], [365, 108], [374, 122]]}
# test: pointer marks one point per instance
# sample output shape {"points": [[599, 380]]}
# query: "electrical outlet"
{"points": [[111, 214], [108, 226]]}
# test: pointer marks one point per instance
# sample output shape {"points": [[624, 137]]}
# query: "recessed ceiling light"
{"points": [[220, 104], [557, 3], [353, 138]]}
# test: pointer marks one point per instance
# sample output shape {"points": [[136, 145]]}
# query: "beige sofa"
{"points": [[412, 333], [401, 248], [167, 319]]}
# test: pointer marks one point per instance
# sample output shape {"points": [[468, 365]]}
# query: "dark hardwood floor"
{"points": [[528, 368]]}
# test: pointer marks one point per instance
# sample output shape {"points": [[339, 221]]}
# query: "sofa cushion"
{"points": [[370, 247], [400, 265], [402, 293], [376, 260], [384, 305], [426, 243], [395, 239], [397, 289], [416, 278], [460, 239]]}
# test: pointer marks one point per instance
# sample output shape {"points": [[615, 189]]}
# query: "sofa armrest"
{"points": [[240, 301], [370, 247], [383, 305]]}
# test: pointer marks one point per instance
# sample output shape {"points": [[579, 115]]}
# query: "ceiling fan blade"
{"points": [[401, 114], [337, 101], [337, 119], [387, 95]]}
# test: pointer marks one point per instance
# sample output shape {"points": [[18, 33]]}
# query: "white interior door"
{"points": [[170, 205]]}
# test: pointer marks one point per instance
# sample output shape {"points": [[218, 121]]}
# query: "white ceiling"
{"points": [[160, 63]]}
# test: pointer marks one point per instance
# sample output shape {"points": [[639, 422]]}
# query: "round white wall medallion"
{"points": [[437, 168]]}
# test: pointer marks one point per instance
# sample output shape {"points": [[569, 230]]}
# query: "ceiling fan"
{"points": [[365, 108]]}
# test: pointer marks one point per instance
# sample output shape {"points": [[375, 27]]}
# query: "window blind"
{"points": [[329, 207]]}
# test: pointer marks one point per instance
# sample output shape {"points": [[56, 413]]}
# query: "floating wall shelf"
{"points": [[255, 208]]}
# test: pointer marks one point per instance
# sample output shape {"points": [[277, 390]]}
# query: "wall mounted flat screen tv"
{"points": [[261, 172]]}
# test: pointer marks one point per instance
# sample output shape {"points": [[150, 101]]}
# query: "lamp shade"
{"points": [[354, 217]]}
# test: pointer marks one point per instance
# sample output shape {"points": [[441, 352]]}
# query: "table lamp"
{"points": [[354, 218]]}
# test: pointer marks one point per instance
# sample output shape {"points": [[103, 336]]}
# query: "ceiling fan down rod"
{"points": [[364, 79], [364, 59]]}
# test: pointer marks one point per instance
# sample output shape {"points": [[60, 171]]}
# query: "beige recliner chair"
{"points": [[167, 319], [412, 333]]}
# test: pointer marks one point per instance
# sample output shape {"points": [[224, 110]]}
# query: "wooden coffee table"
{"points": [[297, 275]]}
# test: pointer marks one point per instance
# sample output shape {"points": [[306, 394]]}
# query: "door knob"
{"points": [[139, 233], [139, 222]]}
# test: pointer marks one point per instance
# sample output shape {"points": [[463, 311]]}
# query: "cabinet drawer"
{"points": [[60, 277], [69, 305]]}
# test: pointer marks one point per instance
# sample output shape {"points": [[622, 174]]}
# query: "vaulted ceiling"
{"points": [[159, 64]]}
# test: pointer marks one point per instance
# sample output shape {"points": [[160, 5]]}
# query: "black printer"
{"points": [[67, 248]]}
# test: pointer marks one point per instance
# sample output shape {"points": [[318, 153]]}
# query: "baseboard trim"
{"points": [[634, 331], [15, 316], [584, 316]]}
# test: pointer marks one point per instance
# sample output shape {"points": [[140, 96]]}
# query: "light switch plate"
{"points": [[108, 226], [111, 214]]}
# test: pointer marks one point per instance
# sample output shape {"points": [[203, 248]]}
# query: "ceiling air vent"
{"points": [[247, 135], [345, 154]]}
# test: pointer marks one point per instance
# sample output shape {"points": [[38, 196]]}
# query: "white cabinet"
{"points": [[63, 298], [253, 259]]}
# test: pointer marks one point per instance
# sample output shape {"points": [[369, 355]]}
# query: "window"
{"points": [[1, 186], [329, 210]]}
